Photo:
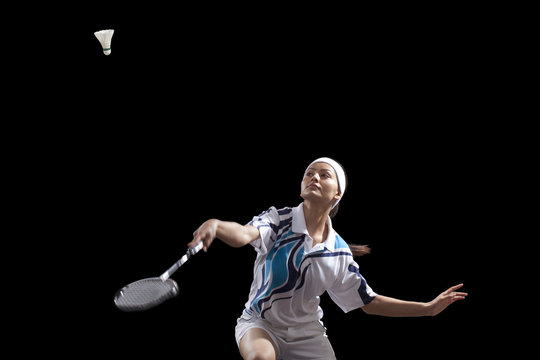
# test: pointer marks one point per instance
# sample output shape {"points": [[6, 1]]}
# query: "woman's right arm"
{"points": [[229, 232]]}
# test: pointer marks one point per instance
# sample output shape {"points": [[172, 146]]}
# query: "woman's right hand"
{"points": [[205, 233]]}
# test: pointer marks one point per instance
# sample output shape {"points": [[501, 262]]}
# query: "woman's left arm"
{"points": [[387, 306]]}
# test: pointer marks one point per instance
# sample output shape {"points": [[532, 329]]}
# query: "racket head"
{"points": [[145, 294]]}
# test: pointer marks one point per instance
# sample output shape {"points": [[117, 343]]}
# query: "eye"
{"points": [[326, 176]]}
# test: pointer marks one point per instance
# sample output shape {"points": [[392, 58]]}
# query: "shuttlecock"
{"points": [[104, 37]]}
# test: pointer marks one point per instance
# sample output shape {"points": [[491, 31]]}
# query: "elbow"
{"points": [[368, 310], [371, 307], [243, 239], [237, 244]]}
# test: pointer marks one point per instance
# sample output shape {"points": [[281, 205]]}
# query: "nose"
{"points": [[315, 177]]}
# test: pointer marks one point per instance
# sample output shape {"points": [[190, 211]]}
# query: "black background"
{"points": [[215, 111]]}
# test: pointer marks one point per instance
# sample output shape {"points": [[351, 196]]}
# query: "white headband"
{"points": [[342, 183]]}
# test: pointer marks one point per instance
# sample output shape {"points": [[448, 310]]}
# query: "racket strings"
{"points": [[147, 293], [144, 294]]}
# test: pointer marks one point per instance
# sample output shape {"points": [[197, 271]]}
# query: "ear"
{"points": [[337, 196]]}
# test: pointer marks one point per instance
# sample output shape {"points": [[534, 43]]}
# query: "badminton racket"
{"points": [[148, 293]]}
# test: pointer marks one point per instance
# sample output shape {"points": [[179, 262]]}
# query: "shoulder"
{"points": [[271, 209], [341, 244], [280, 212], [285, 212], [274, 215]]}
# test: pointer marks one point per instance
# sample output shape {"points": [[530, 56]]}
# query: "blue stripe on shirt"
{"points": [[366, 298]]}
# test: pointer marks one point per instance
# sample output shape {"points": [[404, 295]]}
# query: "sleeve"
{"points": [[267, 223], [351, 291]]}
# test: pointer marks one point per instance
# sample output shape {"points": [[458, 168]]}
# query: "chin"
{"points": [[310, 196]]}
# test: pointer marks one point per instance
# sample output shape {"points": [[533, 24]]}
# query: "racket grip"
{"points": [[195, 249], [191, 251]]}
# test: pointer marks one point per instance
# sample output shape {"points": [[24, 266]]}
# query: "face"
{"points": [[320, 183]]}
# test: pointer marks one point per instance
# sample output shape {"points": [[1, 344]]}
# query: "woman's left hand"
{"points": [[446, 298]]}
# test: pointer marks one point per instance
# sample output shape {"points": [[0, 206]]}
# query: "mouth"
{"points": [[313, 186]]}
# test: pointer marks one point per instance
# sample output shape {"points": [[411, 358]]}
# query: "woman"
{"points": [[299, 257]]}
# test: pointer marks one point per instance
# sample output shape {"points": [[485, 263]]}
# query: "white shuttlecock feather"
{"points": [[104, 37]]}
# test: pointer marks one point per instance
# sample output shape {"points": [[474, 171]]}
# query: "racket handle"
{"points": [[195, 249], [191, 251]]}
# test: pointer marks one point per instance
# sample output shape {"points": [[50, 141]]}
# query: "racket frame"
{"points": [[164, 277]]}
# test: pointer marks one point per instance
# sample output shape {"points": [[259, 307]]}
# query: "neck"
{"points": [[315, 218]]}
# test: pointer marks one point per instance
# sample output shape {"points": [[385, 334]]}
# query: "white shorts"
{"points": [[307, 341]]}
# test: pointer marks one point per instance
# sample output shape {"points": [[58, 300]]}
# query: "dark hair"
{"points": [[335, 209], [357, 250]]}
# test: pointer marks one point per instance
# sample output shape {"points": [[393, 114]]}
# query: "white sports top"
{"points": [[290, 274]]}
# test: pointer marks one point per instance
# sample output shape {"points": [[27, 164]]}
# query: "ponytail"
{"points": [[359, 250], [334, 211]]}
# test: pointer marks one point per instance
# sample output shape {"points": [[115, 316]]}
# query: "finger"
{"points": [[192, 243], [455, 299], [455, 287], [206, 240], [456, 296], [195, 241], [198, 239], [451, 289]]}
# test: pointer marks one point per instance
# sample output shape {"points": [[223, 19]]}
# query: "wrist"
{"points": [[214, 223], [428, 308]]}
